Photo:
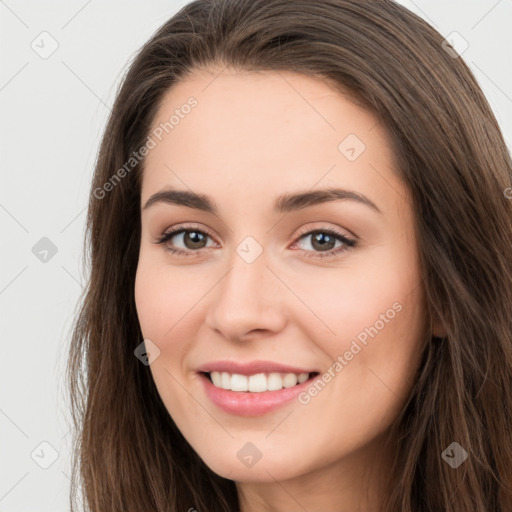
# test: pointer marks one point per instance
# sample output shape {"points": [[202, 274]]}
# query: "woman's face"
{"points": [[276, 275]]}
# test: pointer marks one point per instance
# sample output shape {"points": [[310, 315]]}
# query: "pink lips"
{"points": [[251, 368], [246, 403]]}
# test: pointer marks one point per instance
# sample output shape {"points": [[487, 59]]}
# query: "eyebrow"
{"points": [[284, 203]]}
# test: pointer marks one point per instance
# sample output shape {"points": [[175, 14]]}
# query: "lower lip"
{"points": [[251, 403]]}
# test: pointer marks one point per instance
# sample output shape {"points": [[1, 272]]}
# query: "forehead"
{"points": [[261, 131]]}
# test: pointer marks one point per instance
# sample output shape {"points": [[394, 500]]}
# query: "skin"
{"points": [[252, 137]]}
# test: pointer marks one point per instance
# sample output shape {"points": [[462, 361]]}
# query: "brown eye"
{"points": [[323, 242], [193, 239], [184, 241]]}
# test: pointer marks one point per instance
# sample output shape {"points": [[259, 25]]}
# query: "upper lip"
{"points": [[251, 368]]}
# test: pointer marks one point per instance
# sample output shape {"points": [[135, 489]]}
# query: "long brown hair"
{"points": [[129, 454]]}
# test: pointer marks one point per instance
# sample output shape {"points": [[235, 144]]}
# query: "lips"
{"points": [[251, 404], [253, 367], [248, 403]]}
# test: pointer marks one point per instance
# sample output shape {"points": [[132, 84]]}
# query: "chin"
{"points": [[244, 462]]}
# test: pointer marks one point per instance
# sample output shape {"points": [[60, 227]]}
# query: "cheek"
{"points": [[161, 298], [378, 324], [350, 299], [163, 295], [373, 318], [150, 298]]}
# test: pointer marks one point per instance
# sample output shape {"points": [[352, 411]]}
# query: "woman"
{"points": [[340, 338]]}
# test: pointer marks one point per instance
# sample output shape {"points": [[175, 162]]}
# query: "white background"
{"points": [[52, 114]]}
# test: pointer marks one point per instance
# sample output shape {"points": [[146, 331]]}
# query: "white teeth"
{"points": [[216, 379], [239, 382], [302, 377], [257, 383], [290, 379], [225, 382], [275, 382]]}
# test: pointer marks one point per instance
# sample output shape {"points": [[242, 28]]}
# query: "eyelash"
{"points": [[348, 243]]}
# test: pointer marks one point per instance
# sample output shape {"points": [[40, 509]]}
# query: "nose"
{"points": [[249, 299]]}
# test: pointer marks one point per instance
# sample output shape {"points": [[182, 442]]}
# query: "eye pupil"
{"points": [[326, 238], [195, 237]]}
